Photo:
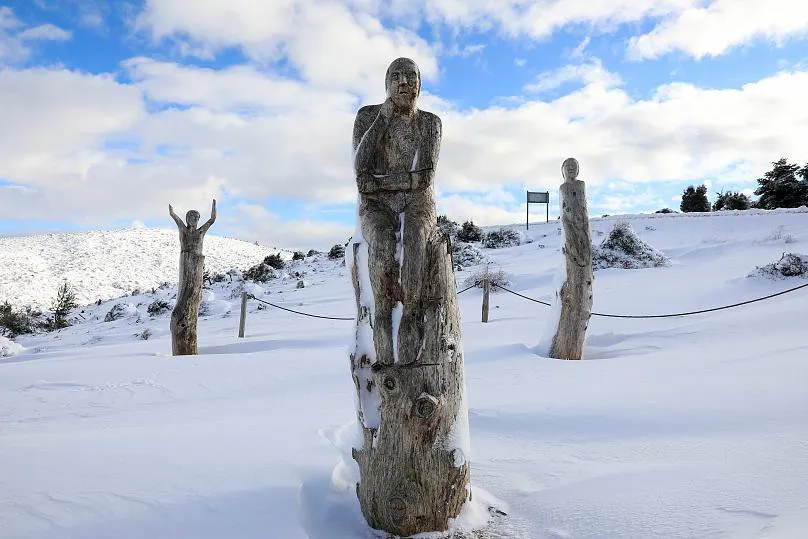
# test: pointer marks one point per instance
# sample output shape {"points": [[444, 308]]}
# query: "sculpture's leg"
{"points": [[379, 230]]}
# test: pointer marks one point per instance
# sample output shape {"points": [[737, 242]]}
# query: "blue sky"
{"points": [[111, 110]]}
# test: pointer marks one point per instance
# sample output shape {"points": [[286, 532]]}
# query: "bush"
{"points": [[780, 188], [464, 255], [158, 307], [336, 252], [14, 322], [504, 237], [495, 277], [447, 226], [118, 311], [297, 255], [665, 210], [623, 249], [261, 273], [312, 252], [694, 199], [275, 261], [62, 304], [789, 265], [469, 232], [731, 200]]}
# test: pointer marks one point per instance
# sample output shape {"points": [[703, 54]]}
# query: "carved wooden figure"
{"points": [[576, 292], [407, 363], [192, 269]]}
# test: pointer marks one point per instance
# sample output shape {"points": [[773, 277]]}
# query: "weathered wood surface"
{"points": [[486, 296], [192, 268], [576, 292], [407, 364]]}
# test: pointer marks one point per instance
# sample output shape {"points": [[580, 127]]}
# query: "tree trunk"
{"points": [[408, 370], [186, 311], [576, 292]]}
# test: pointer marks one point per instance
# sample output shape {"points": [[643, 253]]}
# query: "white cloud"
{"points": [[591, 73], [712, 30], [16, 37]]}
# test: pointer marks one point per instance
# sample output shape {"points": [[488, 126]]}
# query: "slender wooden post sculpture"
{"points": [[192, 269], [407, 363], [576, 292]]}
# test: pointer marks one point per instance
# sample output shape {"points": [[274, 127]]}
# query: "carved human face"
{"points": [[192, 218], [403, 83], [569, 169]]}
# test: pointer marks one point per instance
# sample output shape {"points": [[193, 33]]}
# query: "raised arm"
{"points": [[176, 217], [369, 127], [204, 228]]}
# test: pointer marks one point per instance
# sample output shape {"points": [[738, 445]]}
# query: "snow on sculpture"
{"points": [[407, 362]]}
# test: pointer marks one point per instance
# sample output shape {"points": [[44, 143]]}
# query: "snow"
{"points": [[8, 347], [108, 264], [669, 428], [396, 314]]}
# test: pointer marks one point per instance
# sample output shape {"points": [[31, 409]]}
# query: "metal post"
{"points": [[527, 211], [243, 320], [547, 206], [486, 291]]}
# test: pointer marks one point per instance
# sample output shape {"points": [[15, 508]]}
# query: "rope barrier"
{"points": [[671, 315], [322, 316]]}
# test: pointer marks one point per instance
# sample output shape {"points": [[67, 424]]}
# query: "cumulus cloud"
{"points": [[714, 29], [16, 38]]}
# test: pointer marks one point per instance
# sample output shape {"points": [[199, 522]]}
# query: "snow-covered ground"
{"points": [[107, 264], [670, 428]]}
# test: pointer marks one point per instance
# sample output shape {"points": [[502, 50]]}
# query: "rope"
{"points": [[327, 317], [687, 313]]}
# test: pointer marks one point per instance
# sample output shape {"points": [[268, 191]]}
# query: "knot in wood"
{"points": [[390, 383], [426, 406], [398, 509]]}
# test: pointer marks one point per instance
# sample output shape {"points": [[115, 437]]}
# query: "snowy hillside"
{"points": [[682, 427], [104, 265]]}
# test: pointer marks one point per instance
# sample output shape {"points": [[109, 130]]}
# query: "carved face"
{"points": [[403, 82], [569, 169], [192, 218]]}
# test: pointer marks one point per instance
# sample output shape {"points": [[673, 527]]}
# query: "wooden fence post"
{"points": [[486, 292], [243, 320]]}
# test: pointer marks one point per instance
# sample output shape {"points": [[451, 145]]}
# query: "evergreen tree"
{"points": [[694, 199], [781, 188], [731, 200], [64, 302]]}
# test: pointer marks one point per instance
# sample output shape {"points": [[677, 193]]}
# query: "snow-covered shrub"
{"points": [[8, 347], [495, 277], [789, 265], [447, 226], [464, 254], [158, 307], [622, 248], [313, 252], [298, 255], [144, 335], [15, 322], [469, 232], [503, 237], [275, 261], [261, 273], [63, 303], [337, 252], [120, 310]]}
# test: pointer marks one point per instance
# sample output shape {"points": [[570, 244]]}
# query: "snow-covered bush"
{"points": [[275, 261], [469, 232], [298, 255], [789, 265], [261, 273], [8, 347], [464, 255], [158, 307], [495, 277], [447, 226], [622, 248], [15, 322], [337, 252], [120, 310], [503, 237]]}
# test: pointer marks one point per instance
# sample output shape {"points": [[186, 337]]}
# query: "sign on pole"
{"points": [[537, 197]]}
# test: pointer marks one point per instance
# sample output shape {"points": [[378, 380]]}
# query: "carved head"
{"points": [[569, 169], [192, 218], [403, 82]]}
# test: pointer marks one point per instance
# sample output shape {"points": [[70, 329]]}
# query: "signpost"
{"points": [[537, 197]]}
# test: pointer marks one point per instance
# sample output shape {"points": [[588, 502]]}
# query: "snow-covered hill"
{"points": [[684, 427], [108, 264]]}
